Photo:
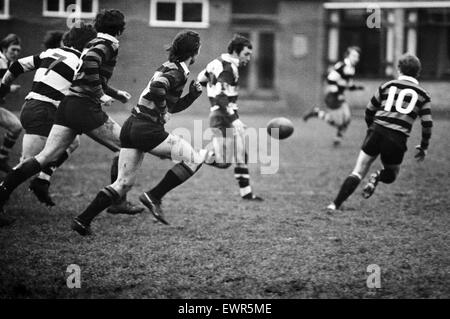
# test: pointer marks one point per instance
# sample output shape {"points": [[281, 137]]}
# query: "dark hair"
{"points": [[52, 39], [78, 36], [352, 48], [111, 22], [409, 64], [185, 45], [238, 43], [10, 39]]}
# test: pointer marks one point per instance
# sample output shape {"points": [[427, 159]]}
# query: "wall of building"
{"points": [[298, 80]]}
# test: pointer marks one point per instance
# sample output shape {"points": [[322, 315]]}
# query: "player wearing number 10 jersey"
{"points": [[390, 115]]}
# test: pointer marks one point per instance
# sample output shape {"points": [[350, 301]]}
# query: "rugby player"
{"points": [[81, 111], [390, 115], [55, 71], [144, 132], [221, 80], [10, 48], [339, 79]]}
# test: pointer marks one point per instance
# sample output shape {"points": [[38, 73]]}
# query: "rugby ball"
{"points": [[280, 128]]}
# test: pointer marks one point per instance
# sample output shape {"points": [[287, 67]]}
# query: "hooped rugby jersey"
{"points": [[163, 93], [96, 68], [55, 69], [340, 77], [222, 87], [397, 103]]}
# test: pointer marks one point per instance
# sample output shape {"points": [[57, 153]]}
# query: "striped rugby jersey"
{"points": [[340, 77], [163, 93], [96, 68], [397, 103], [222, 87], [54, 75]]}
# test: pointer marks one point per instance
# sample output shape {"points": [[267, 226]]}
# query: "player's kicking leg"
{"points": [[13, 129], [190, 161], [362, 166], [128, 164]]}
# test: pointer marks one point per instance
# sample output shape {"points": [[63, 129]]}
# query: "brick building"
{"points": [[294, 40]]}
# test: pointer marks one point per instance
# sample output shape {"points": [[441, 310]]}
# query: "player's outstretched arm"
{"points": [[22, 65], [122, 96], [427, 125], [372, 107]]}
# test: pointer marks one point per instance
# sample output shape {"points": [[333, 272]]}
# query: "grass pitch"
{"points": [[219, 246]]}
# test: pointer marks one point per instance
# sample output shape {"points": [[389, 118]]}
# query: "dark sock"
{"points": [[49, 169], [102, 201], [61, 159], [177, 175], [20, 174], [347, 188]]}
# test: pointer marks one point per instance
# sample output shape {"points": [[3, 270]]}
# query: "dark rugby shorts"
{"points": [[37, 117], [222, 120], [390, 145], [141, 134], [80, 114]]}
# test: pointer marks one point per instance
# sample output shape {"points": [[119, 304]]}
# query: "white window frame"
{"points": [[61, 13], [178, 23], [5, 15]]}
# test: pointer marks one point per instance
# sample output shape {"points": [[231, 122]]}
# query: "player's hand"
{"points": [[15, 88], [123, 96], [195, 89], [420, 153], [106, 100]]}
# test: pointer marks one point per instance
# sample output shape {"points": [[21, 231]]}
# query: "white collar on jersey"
{"points": [[185, 68], [408, 78], [107, 37], [228, 58]]}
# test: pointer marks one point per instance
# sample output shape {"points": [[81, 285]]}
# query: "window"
{"points": [[63, 8], [348, 28], [254, 7], [257, 79], [4, 9], [433, 45], [179, 13]]}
